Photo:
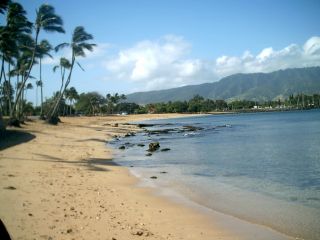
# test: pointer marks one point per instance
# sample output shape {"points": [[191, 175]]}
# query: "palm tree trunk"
{"points": [[9, 90], [2, 69], [54, 112], [70, 107], [41, 88], [2, 126], [26, 77]]}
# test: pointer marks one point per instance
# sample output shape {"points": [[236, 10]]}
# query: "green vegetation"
{"points": [[21, 49]]}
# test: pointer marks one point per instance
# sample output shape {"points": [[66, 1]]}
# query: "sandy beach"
{"points": [[57, 183]]}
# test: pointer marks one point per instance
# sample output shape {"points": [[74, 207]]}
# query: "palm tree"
{"points": [[78, 46], [63, 66], [48, 21], [72, 95], [43, 50], [29, 86], [38, 84], [113, 100], [16, 29], [67, 96]]}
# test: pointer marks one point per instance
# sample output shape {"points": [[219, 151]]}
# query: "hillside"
{"points": [[253, 86]]}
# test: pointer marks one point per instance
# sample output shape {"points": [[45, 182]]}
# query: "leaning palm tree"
{"points": [[42, 50], [78, 46], [48, 21], [63, 66]]}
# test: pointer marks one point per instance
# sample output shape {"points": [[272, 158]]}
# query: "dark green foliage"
{"points": [[254, 87], [90, 103], [129, 108]]}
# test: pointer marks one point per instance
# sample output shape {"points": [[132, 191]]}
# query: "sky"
{"points": [[158, 44]]}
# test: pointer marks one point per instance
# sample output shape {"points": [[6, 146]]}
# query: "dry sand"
{"points": [[56, 184]]}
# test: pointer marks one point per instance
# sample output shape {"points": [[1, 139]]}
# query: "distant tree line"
{"points": [[93, 103]]}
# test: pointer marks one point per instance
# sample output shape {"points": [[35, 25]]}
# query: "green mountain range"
{"points": [[252, 86]]}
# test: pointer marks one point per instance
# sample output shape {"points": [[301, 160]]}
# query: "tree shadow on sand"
{"points": [[14, 137], [92, 164]]}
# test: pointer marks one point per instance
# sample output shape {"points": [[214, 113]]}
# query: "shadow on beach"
{"points": [[14, 137]]}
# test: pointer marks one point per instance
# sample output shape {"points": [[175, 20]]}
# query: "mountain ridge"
{"points": [[249, 86]]}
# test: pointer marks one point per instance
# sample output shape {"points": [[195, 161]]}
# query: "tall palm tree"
{"points": [[48, 21], [63, 66], [3, 6], [78, 46], [43, 50], [16, 29]]}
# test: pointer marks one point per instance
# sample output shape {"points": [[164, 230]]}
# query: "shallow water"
{"points": [[260, 167]]}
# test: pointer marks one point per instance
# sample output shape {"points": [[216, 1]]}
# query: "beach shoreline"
{"points": [[57, 184]]}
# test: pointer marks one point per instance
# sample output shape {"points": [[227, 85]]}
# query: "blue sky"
{"points": [[144, 45]]}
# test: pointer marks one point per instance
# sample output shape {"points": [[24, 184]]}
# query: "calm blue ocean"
{"points": [[260, 167]]}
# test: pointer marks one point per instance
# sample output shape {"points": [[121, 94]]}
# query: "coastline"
{"points": [[58, 185]]}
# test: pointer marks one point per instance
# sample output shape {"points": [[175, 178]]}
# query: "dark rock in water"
{"points": [[153, 146], [192, 128], [129, 134], [163, 172], [149, 154], [141, 125], [122, 147], [160, 131], [140, 145], [165, 149], [154, 177]]}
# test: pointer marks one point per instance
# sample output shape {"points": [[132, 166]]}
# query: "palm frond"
{"points": [[48, 20], [61, 46], [55, 68], [54, 29], [65, 63], [80, 35], [80, 66], [4, 5]]}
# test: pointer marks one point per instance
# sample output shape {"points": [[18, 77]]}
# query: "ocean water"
{"points": [[260, 167]]}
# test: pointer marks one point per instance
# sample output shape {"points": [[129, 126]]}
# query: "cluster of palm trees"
{"points": [[21, 50]]}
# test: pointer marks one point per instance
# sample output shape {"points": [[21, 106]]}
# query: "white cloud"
{"points": [[165, 63], [312, 46]]}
